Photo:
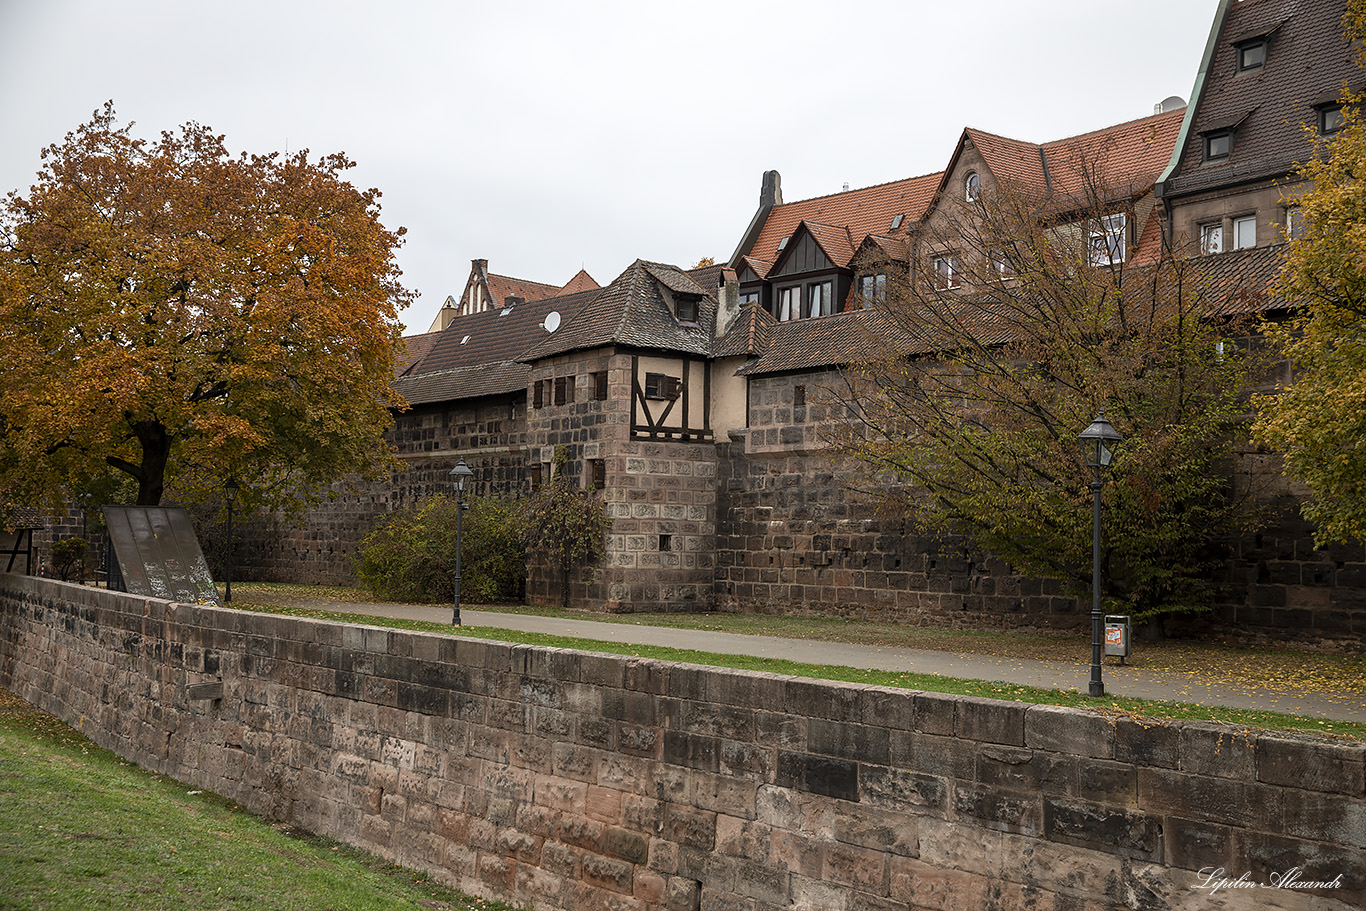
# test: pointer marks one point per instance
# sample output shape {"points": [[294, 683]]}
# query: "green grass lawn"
{"points": [[1306, 670], [83, 830]]}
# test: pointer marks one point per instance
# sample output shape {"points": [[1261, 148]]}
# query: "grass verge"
{"points": [[83, 830], [1116, 705], [1289, 670]]}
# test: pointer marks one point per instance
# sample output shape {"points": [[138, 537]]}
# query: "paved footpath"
{"points": [[1119, 680]]}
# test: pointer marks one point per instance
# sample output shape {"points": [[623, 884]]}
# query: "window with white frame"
{"points": [[1107, 240], [1001, 269], [972, 187], [1245, 232], [945, 272], [1212, 238]]}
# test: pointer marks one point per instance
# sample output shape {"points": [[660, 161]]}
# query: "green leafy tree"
{"points": [[966, 410], [564, 526], [1318, 421], [411, 557], [169, 310]]}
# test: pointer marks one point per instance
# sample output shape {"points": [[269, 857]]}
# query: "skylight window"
{"points": [[896, 222], [464, 340]]}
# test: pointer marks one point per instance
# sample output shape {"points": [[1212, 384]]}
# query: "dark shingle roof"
{"points": [[467, 382], [1307, 63], [750, 334], [632, 311]]}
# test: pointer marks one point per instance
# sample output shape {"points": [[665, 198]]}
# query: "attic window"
{"points": [[896, 222], [505, 311], [687, 307], [1107, 240], [782, 244], [464, 340], [972, 187], [1218, 146], [1330, 118], [1251, 55]]}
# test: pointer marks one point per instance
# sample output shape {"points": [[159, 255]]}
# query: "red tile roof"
{"points": [[866, 211], [581, 281], [503, 286], [1127, 158]]}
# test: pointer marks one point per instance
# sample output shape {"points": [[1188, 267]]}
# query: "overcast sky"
{"points": [[547, 137]]}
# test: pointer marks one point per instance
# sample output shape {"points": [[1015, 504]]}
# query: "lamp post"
{"points": [[231, 489], [1097, 442], [459, 474]]}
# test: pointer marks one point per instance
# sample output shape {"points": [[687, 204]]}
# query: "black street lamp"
{"points": [[459, 474], [1097, 442], [231, 489]]}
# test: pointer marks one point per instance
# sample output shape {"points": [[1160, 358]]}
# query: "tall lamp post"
{"points": [[231, 489], [1097, 442], [459, 474]]}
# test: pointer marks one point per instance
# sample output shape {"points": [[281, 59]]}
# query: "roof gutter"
{"points": [[1197, 92]]}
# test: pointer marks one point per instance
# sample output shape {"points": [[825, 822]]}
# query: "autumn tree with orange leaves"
{"points": [[173, 313]]}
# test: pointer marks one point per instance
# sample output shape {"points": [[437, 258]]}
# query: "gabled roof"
{"points": [[865, 211], [835, 241], [1125, 159], [749, 335], [503, 286], [581, 281], [633, 311], [499, 334], [760, 267], [1308, 62], [417, 348]]}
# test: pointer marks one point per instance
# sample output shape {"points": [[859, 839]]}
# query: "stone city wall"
{"points": [[556, 779]]}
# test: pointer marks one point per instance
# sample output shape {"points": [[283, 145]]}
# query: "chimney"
{"points": [[513, 300], [771, 193], [727, 299], [480, 265]]}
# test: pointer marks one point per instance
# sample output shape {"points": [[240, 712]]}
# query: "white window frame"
{"points": [[972, 186], [945, 272], [1245, 232], [1108, 241], [1212, 238], [873, 288]]}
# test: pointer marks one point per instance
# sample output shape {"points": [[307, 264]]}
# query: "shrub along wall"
{"points": [[568, 780]]}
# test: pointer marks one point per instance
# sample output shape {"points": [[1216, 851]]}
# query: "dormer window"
{"points": [[1330, 118], [1218, 146], [1107, 240], [686, 307], [1251, 55], [972, 187]]}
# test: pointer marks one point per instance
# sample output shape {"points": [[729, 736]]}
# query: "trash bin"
{"points": [[1118, 635]]}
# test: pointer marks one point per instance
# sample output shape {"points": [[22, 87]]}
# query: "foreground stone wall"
{"points": [[567, 780]]}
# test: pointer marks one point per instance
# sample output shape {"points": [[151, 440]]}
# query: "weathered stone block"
{"points": [[1066, 730], [818, 774], [856, 742], [1300, 762], [991, 721], [1124, 832], [1218, 751]]}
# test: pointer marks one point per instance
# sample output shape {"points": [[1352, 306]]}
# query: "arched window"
{"points": [[972, 187]]}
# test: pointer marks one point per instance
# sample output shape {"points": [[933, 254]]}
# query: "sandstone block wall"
{"points": [[568, 780]]}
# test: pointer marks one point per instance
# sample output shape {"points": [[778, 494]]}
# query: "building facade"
{"points": [[691, 398]]}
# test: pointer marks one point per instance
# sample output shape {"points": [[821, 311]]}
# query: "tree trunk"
{"points": [[151, 474]]}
